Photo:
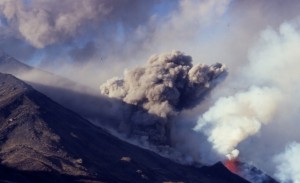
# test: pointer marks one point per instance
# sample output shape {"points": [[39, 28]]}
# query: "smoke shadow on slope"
{"points": [[90, 106], [112, 114]]}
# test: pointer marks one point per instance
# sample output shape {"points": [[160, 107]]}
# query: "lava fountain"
{"points": [[231, 162]]}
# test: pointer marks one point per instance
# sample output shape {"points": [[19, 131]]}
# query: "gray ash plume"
{"points": [[157, 92]]}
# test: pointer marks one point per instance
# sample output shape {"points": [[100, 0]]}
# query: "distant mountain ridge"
{"points": [[10, 65]]}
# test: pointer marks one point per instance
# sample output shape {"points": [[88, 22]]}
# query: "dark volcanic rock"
{"points": [[41, 141]]}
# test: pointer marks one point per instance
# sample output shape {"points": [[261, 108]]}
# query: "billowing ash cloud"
{"points": [[46, 22], [167, 84], [288, 169], [43, 23]]}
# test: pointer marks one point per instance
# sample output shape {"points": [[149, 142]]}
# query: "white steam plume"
{"points": [[165, 86], [232, 119], [256, 112]]}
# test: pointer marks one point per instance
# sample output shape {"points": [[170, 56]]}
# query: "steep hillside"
{"points": [[68, 93], [41, 141]]}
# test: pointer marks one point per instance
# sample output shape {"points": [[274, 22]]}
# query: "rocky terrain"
{"points": [[41, 141]]}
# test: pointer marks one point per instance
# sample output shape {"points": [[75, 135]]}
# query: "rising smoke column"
{"points": [[259, 113], [232, 119], [156, 92]]}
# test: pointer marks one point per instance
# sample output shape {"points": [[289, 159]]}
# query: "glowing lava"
{"points": [[232, 165]]}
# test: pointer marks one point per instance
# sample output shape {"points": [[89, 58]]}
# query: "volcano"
{"points": [[41, 141]]}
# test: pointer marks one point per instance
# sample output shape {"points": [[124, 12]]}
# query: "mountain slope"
{"points": [[66, 92], [41, 141]]}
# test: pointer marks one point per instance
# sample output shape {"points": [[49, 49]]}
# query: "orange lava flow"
{"points": [[232, 165]]}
